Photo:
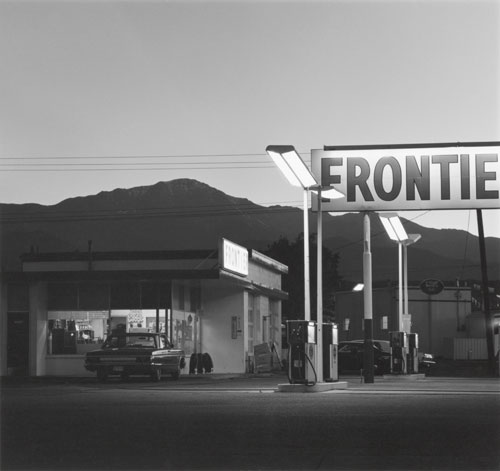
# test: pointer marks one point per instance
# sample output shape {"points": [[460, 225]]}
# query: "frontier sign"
{"points": [[233, 257], [410, 177]]}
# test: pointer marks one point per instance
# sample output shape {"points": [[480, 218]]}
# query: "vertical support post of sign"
{"points": [[158, 309], [319, 282], [405, 280], [307, 290], [400, 288], [368, 368], [486, 295]]}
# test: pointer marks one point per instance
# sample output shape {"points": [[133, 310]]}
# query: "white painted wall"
{"points": [[264, 276], [38, 327], [262, 310], [220, 302]]}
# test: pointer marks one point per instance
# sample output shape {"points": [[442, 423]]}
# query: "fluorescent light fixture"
{"points": [[398, 227], [412, 238], [388, 228], [393, 226], [300, 169], [292, 166], [329, 193], [359, 287], [283, 166]]}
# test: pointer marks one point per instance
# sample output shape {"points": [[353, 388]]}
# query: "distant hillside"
{"points": [[447, 254], [187, 214]]}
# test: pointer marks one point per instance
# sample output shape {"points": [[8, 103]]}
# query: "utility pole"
{"points": [[486, 297]]}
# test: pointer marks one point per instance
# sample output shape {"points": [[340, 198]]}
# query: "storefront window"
{"points": [[77, 332], [137, 320]]}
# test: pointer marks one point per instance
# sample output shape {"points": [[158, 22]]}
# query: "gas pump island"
{"points": [[404, 353], [303, 357]]}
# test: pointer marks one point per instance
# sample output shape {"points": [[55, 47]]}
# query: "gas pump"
{"points": [[330, 352], [301, 337], [398, 341], [412, 353]]}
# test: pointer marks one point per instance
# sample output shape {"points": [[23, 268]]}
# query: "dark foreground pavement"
{"points": [[239, 422]]}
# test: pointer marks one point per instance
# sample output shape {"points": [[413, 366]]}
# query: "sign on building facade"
{"points": [[233, 257]]}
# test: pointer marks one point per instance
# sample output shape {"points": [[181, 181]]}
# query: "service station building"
{"points": [[222, 302]]}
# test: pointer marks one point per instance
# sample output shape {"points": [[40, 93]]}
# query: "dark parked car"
{"points": [[425, 360], [132, 353], [351, 356]]}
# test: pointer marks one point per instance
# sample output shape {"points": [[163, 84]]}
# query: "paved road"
{"points": [[240, 423]]}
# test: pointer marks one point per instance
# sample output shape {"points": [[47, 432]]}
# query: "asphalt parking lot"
{"points": [[240, 422]]}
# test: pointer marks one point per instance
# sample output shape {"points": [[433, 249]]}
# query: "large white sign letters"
{"points": [[446, 176]]}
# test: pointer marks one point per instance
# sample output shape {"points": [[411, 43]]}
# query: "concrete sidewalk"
{"points": [[431, 385], [387, 384]]}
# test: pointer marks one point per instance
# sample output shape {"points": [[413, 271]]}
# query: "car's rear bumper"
{"points": [[169, 365], [426, 364]]}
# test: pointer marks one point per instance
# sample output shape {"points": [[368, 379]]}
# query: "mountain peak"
{"points": [[175, 193]]}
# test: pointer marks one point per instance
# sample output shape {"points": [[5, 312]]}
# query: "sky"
{"points": [[98, 95]]}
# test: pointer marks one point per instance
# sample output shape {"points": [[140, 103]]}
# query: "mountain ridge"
{"points": [[188, 214]]}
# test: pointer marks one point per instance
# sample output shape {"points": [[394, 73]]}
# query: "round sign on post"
{"points": [[431, 286]]}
